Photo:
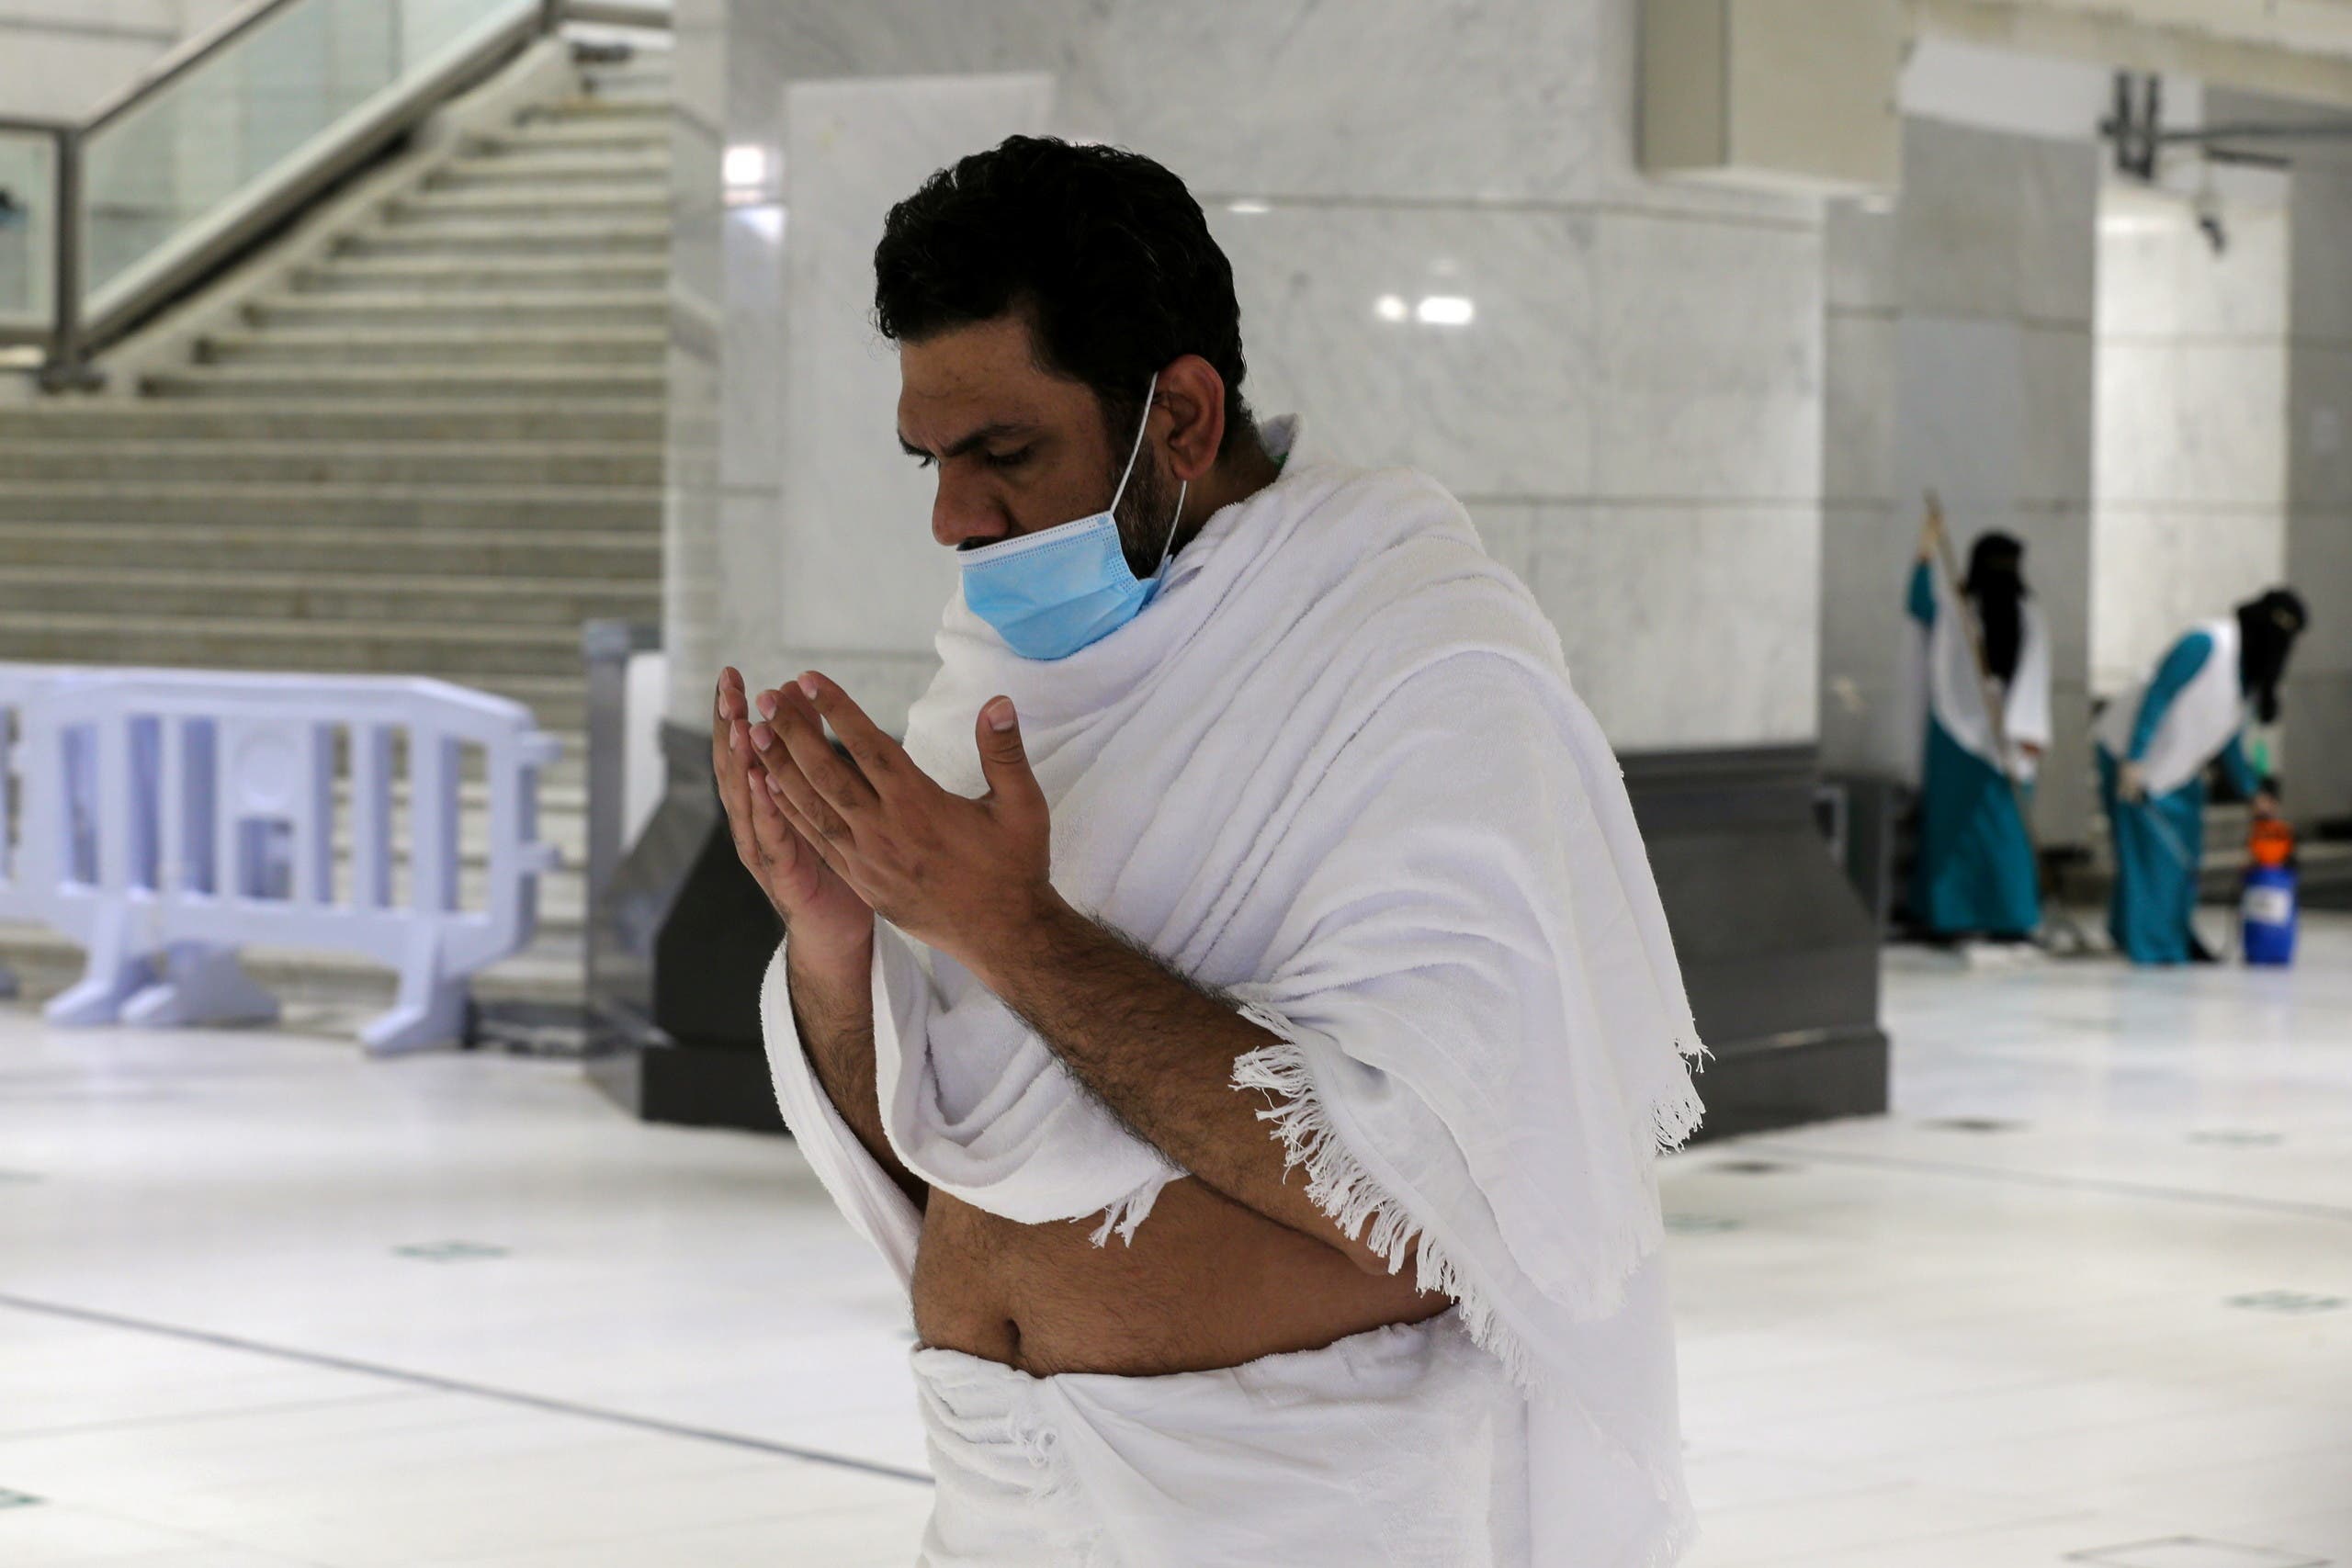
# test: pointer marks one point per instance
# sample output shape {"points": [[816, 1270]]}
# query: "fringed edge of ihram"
{"points": [[1122, 1217], [1338, 1185], [1342, 1189]]}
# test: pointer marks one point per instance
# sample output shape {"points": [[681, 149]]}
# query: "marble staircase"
{"points": [[433, 447]]}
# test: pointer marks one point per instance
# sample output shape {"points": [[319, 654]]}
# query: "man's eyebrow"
{"points": [[971, 442]]}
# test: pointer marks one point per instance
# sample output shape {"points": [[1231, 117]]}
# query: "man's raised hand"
{"points": [[824, 913], [964, 876]]}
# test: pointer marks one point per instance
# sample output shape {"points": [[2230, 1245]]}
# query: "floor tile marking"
{"points": [[2074, 1183], [2192, 1551], [458, 1385], [1700, 1224], [17, 1499], [2292, 1301], [449, 1251]]}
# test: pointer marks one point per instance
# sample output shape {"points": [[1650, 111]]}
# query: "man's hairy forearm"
{"points": [[1159, 1050], [832, 1009]]}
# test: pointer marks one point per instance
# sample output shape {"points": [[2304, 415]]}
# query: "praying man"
{"points": [[1238, 1007]]}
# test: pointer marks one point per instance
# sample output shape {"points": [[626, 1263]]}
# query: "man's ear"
{"points": [[1194, 394]]}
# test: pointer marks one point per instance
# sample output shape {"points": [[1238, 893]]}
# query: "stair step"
{"points": [[607, 109], [582, 204], [542, 139], [563, 800], [639, 348], [591, 309], [505, 508], [631, 557], [520, 275], [605, 239], [523, 209], [112, 421], [335, 462], [600, 170], [558, 702], [657, 91], [585, 383], [469, 654], [648, 68], [321, 600]]}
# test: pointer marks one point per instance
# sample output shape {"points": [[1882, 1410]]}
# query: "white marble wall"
{"points": [[2190, 513], [1960, 359], [1632, 412]]}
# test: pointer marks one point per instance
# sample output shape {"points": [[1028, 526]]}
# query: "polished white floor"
{"points": [[2085, 1297]]}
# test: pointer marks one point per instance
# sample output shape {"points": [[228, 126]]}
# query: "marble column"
{"points": [[1869, 718], [1446, 258], [2314, 742], [1960, 361], [2315, 752], [2190, 487]]}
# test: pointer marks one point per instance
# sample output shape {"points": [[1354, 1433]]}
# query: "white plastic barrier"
{"points": [[166, 818]]}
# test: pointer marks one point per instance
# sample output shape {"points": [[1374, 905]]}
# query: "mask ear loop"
{"points": [[1142, 426], [1169, 542], [1183, 487]]}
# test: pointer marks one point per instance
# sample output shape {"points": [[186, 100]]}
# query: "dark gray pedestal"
{"points": [[1778, 953], [676, 945]]}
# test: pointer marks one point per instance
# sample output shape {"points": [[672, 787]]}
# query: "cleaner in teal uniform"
{"points": [[2155, 742], [1975, 874]]}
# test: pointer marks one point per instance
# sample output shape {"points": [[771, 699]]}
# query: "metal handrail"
{"points": [[65, 361]]}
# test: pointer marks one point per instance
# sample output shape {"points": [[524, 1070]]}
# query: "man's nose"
{"points": [[960, 514]]}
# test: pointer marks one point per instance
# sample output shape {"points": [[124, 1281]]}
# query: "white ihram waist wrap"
{"points": [[1336, 771], [1405, 1446]]}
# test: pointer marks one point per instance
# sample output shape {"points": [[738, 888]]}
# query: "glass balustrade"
{"points": [[27, 231], [217, 144], [159, 172]]}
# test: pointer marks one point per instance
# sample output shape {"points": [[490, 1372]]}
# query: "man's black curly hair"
{"points": [[1104, 251]]}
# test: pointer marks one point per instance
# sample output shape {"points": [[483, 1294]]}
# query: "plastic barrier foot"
{"points": [[98, 997], [430, 1010], [115, 972], [201, 986], [437, 1019]]}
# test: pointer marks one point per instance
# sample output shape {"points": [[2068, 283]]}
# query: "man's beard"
{"points": [[1145, 515]]}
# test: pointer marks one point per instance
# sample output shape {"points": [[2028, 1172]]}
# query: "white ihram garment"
{"points": [[1335, 770], [1405, 1446]]}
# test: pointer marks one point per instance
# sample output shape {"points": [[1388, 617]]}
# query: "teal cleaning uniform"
{"points": [[1974, 870], [2160, 842]]}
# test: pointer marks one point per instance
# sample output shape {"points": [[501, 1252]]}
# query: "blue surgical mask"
{"points": [[1052, 593]]}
